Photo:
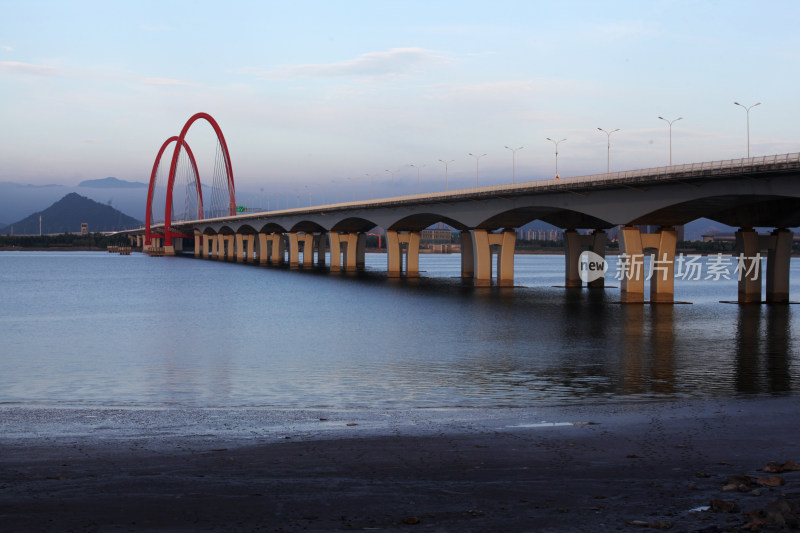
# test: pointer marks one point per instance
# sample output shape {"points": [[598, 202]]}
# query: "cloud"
{"points": [[165, 82], [7, 48], [29, 69], [394, 61]]}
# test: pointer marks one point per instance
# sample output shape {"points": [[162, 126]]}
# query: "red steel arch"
{"points": [[151, 189], [228, 170]]}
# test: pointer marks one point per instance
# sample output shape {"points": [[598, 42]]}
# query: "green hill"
{"points": [[67, 214]]}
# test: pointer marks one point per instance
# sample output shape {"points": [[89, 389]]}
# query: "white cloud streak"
{"points": [[27, 69], [392, 62], [168, 82]]}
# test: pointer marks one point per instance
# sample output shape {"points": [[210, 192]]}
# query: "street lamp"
{"points": [[556, 143], [418, 180], [514, 163], [446, 165], [392, 173], [477, 159], [670, 135], [608, 149], [747, 109]]}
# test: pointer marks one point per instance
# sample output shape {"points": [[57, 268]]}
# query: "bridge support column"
{"points": [[239, 248], [662, 276], [296, 241], [748, 249], [276, 247], [206, 246], [482, 242], [467, 256], [249, 243], [321, 245], [347, 251], [778, 261], [219, 247], [574, 244], [262, 254], [597, 243], [395, 252], [631, 266], [662, 279], [572, 252], [198, 243], [225, 247]]}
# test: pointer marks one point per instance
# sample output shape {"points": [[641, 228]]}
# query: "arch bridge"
{"points": [[745, 193]]}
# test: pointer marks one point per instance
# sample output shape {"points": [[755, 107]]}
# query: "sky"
{"points": [[341, 97]]}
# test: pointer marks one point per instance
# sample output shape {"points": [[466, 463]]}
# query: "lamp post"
{"points": [[747, 109], [309, 195], [556, 143], [392, 173], [608, 149], [514, 163], [446, 165], [670, 135], [477, 160], [418, 180]]}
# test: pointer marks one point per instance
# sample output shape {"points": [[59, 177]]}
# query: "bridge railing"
{"points": [[708, 169]]}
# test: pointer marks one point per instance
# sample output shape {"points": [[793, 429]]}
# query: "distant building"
{"points": [[727, 236], [84, 228], [540, 235], [718, 236], [436, 236]]}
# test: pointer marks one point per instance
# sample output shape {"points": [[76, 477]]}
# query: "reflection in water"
{"points": [[217, 334], [763, 349], [648, 349]]}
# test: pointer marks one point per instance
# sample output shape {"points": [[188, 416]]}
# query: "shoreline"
{"points": [[578, 468]]}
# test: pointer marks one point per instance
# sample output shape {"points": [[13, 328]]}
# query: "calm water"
{"points": [[99, 329]]}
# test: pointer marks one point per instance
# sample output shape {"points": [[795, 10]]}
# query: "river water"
{"points": [[82, 329]]}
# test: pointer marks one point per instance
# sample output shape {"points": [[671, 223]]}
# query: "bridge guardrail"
{"points": [[687, 170]]}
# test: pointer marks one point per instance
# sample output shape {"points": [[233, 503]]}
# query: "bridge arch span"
{"points": [[732, 210], [246, 229], [354, 225], [557, 216], [419, 222], [174, 165], [151, 188], [271, 227], [307, 226]]}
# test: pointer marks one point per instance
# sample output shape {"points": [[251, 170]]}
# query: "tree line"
{"points": [[64, 240]]}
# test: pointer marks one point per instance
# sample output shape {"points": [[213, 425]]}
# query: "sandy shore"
{"points": [[585, 468]]}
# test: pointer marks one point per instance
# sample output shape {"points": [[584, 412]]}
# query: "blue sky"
{"points": [[312, 93]]}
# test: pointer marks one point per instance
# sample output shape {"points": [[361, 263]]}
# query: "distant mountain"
{"points": [[112, 183], [67, 214]]}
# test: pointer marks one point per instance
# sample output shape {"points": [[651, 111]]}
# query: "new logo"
{"points": [[591, 266]]}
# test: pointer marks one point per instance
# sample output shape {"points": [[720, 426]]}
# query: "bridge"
{"points": [[745, 193]]}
